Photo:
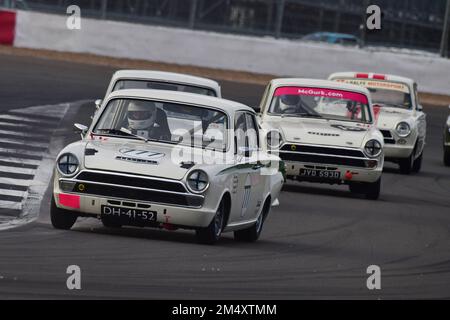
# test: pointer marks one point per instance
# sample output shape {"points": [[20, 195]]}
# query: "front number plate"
{"points": [[132, 214], [320, 174]]}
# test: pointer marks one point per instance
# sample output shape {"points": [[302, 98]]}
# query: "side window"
{"points": [[252, 132], [240, 133]]}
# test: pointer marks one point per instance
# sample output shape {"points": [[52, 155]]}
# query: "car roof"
{"points": [[167, 76], [316, 83], [181, 97], [388, 77]]}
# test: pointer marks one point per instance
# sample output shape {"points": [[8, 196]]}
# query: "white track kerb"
{"points": [[222, 51], [34, 144]]}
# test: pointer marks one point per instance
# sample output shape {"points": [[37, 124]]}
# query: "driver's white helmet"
{"points": [[288, 101], [141, 115]]}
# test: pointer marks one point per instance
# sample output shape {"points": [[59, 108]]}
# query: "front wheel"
{"points": [[406, 165], [417, 164], [61, 218], [447, 157], [252, 234], [211, 234], [370, 190]]}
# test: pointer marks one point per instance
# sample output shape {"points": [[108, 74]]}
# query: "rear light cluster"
{"points": [[367, 76]]}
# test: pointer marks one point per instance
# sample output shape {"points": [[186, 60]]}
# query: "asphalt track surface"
{"points": [[317, 244]]}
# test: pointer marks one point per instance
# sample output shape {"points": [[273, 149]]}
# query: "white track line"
{"points": [[11, 205], [26, 152], [17, 170], [25, 142], [15, 193]]}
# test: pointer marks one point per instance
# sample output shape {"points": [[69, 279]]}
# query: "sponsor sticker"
{"points": [[322, 92], [374, 84]]}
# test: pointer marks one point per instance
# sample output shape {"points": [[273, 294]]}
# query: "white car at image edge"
{"points": [[399, 115]]}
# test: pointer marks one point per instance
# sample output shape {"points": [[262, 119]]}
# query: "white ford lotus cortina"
{"points": [[161, 80], [400, 117], [324, 131], [169, 160]]}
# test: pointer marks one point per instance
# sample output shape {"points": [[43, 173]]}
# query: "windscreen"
{"points": [[320, 103], [385, 93]]}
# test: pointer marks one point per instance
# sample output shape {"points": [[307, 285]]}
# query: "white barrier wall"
{"points": [[230, 52]]}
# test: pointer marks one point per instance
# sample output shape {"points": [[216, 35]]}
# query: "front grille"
{"points": [[131, 181], [323, 150], [386, 133], [299, 157], [388, 139], [140, 195]]}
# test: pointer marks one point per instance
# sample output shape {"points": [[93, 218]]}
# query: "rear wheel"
{"points": [[61, 218], [252, 234], [447, 157], [211, 234], [417, 164]]}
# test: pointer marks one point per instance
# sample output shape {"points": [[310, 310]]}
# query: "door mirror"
{"points": [[449, 106], [81, 129], [419, 107], [98, 103]]}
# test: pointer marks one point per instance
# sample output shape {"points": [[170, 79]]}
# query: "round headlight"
{"points": [[403, 129], [274, 139], [372, 148], [68, 164], [198, 181]]}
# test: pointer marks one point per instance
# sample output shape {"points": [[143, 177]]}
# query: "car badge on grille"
{"points": [[293, 147]]}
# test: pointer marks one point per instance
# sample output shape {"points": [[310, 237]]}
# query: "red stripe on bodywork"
{"points": [[69, 200], [7, 27]]}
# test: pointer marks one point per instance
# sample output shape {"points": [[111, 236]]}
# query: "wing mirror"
{"points": [[81, 129], [98, 103], [449, 106], [419, 107]]}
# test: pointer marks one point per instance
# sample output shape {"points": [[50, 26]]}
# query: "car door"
{"points": [[243, 205], [258, 180]]}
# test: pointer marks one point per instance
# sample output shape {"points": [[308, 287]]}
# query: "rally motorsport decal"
{"points": [[140, 156]]}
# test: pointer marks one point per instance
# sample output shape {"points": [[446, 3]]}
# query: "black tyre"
{"points": [[252, 234], [356, 188], [60, 218], [373, 190], [417, 164], [406, 165], [211, 234], [447, 157]]}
